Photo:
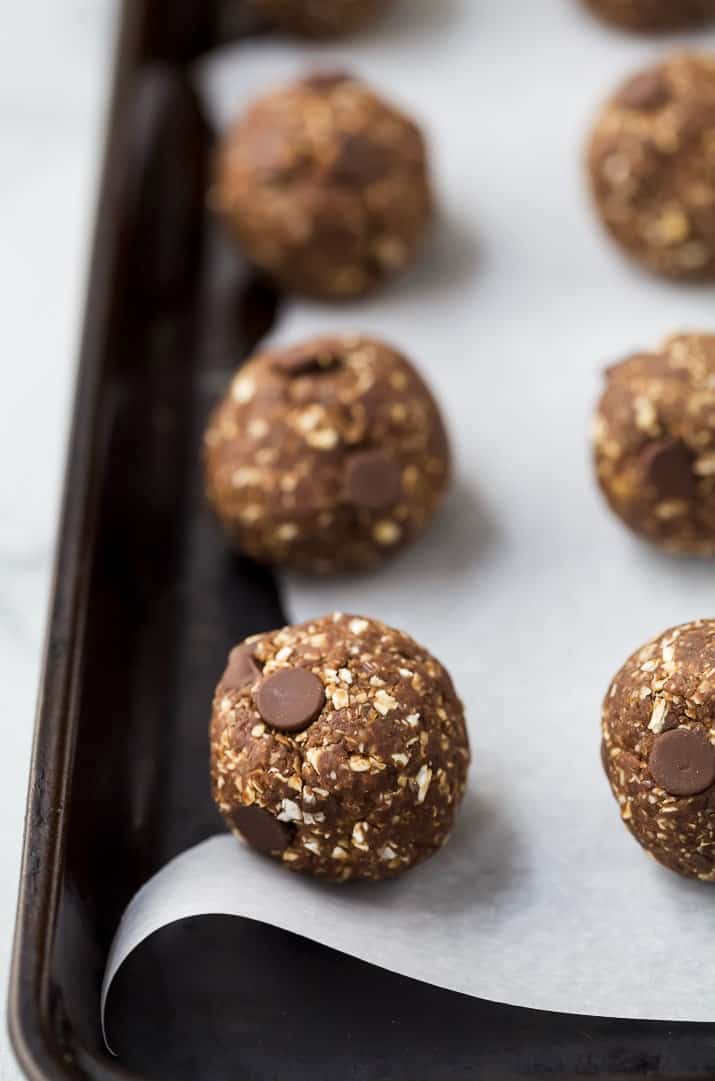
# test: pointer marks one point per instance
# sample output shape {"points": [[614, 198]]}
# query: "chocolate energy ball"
{"points": [[652, 165], [653, 14], [325, 186], [339, 747], [658, 748], [320, 18], [654, 443], [326, 456]]}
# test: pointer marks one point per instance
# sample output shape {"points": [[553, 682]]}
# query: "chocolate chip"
{"points": [[649, 90], [302, 359], [668, 466], [261, 830], [241, 669], [360, 161], [290, 699], [604, 756], [373, 479], [682, 762]]}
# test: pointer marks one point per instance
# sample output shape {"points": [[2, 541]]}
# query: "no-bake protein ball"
{"points": [[658, 748], [326, 456], [325, 186], [653, 14], [339, 747], [654, 443], [651, 161], [320, 18]]}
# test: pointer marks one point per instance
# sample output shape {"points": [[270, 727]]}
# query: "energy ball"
{"points": [[651, 161], [326, 456], [654, 444], [658, 748], [319, 18], [339, 747], [325, 186], [653, 14]]}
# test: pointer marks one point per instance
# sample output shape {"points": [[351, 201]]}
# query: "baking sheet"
{"points": [[526, 588]]}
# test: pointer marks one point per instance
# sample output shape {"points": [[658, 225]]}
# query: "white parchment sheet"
{"points": [[526, 588]]}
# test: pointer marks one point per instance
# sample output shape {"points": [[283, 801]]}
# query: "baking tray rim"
{"points": [[34, 1042]]}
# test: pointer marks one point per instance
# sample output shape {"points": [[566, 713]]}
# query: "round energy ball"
{"points": [[653, 14], [326, 456], [654, 444], [658, 748], [319, 18], [325, 186], [651, 161], [338, 746]]}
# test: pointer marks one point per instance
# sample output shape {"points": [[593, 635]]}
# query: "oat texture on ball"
{"points": [[326, 456], [654, 444], [325, 186], [651, 161], [320, 18], [339, 747], [653, 14], [658, 749]]}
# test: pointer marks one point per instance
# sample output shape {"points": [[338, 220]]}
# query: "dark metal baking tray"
{"points": [[146, 602]]}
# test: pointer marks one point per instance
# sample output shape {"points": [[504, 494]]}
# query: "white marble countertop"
{"points": [[55, 63]]}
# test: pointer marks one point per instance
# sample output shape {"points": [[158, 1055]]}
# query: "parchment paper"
{"points": [[526, 588]]}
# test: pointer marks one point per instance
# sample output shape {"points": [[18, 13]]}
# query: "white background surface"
{"points": [[54, 65], [53, 69]]}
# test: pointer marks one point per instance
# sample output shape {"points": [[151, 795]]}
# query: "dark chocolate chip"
{"points": [[360, 161], [682, 762], [261, 830], [373, 479], [649, 90], [290, 699], [241, 669], [302, 359], [668, 466]]}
